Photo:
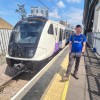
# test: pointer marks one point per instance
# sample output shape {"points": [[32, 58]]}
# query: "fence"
{"points": [[96, 43], [4, 40], [93, 40], [90, 39]]}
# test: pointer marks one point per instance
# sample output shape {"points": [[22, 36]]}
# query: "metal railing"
{"points": [[90, 39], [93, 39]]}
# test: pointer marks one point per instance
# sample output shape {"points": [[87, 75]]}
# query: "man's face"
{"points": [[78, 30]]}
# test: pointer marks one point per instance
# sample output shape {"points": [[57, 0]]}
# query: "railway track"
{"points": [[11, 86], [12, 80], [14, 84], [8, 82]]}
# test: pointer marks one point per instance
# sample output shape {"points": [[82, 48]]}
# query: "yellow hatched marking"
{"points": [[57, 89]]}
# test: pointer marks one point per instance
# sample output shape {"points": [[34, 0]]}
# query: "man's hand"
{"points": [[70, 46], [84, 46], [82, 53]]}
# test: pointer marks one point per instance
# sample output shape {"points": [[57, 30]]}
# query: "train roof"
{"points": [[46, 19], [70, 29], [40, 17]]}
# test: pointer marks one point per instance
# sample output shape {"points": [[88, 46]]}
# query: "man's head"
{"points": [[78, 29]]}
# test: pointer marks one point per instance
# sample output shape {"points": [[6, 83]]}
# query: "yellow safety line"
{"points": [[65, 91], [65, 88]]}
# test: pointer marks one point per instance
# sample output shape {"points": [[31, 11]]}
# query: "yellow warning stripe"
{"points": [[57, 90], [67, 82], [65, 91]]}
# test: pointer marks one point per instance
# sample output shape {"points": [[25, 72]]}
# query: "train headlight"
{"points": [[30, 53]]}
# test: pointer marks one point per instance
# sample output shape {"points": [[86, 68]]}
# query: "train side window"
{"points": [[62, 33], [60, 37], [65, 34], [50, 30], [56, 31]]}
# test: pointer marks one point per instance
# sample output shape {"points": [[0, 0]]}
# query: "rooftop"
{"points": [[4, 24]]}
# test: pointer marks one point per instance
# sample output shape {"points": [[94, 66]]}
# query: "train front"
{"points": [[24, 41]]}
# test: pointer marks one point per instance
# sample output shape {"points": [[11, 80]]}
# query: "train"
{"points": [[35, 39]]}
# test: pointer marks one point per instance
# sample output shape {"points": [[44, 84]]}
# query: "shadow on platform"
{"points": [[92, 65]]}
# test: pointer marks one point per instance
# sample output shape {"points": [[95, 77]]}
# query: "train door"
{"points": [[56, 39], [50, 42], [67, 36], [60, 38], [63, 38]]}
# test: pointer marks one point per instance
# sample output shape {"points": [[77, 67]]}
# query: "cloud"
{"points": [[54, 14], [73, 1], [60, 4], [74, 16]]}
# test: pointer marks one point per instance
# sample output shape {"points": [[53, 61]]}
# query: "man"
{"points": [[77, 47]]}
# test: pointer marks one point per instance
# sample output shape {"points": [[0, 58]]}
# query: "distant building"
{"points": [[39, 11], [5, 31], [5, 25]]}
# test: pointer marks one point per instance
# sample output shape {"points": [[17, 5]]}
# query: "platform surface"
{"points": [[41, 88], [51, 87], [78, 89]]}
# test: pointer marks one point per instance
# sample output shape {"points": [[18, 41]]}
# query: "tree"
{"points": [[21, 10]]}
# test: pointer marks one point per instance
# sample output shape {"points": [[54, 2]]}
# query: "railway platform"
{"points": [[48, 84]]}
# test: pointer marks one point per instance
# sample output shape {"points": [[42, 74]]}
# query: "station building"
{"points": [[91, 17], [91, 22], [39, 11]]}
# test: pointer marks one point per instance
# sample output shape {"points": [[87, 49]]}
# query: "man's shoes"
{"points": [[76, 75], [65, 78]]}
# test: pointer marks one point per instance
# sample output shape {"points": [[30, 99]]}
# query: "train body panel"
{"points": [[47, 40], [36, 39]]}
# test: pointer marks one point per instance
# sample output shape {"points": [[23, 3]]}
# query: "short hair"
{"points": [[78, 26]]}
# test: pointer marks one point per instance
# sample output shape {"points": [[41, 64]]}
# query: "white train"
{"points": [[35, 39]]}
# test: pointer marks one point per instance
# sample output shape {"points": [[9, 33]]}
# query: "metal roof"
{"points": [[5, 25]]}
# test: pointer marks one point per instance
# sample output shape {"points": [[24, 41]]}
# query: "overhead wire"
{"points": [[50, 8], [44, 4]]}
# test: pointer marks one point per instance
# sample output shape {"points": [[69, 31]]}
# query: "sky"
{"points": [[70, 10]]}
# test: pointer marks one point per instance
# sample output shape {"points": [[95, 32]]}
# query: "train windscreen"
{"points": [[27, 31]]}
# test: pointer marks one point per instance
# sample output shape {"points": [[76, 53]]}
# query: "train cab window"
{"points": [[60, 36], [50, 30], [27, 31]]}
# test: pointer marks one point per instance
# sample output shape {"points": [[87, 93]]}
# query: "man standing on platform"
{"points": [[77, 46]]}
